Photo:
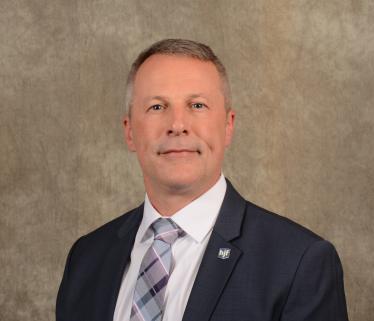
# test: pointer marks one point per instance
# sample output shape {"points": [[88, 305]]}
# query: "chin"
{"points": [[181, 182]]}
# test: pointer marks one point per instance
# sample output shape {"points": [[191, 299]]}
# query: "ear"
{"points": [[128, 134], [230, 118]]}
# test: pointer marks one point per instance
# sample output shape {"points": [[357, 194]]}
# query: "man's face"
{"points": [[179, 127]]}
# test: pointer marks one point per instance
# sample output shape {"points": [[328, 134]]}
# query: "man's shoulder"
{"points": [[273, 221], [262, 223], [276, 232], [113, 229]]}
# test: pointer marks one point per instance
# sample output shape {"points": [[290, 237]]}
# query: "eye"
{"points": [[156, 107], [198, 105]]}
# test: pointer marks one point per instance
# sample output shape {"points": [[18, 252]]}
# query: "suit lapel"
{"points": [[216, 268], [210, 280], [113, 266]]}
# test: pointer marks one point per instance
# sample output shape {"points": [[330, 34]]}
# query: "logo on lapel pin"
{"points": [[224, 253]]}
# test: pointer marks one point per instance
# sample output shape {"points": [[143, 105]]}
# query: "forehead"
{"points": [[161, 74]]}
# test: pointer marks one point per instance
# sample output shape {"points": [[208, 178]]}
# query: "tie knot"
{"points": [[166, 230]]}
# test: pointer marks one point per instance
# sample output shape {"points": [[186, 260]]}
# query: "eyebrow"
{"points": [[200, 95], [165, 98], [157, 98]]}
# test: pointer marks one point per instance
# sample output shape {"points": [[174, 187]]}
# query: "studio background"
{"points": [[302, 76]]}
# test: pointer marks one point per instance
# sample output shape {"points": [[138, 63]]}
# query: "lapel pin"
{"points": [[224, 253]]}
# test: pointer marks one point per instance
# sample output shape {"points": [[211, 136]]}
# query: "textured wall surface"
{"points": [[302, 75]]}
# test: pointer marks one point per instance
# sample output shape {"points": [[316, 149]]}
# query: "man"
{"points": [[195, 250]]}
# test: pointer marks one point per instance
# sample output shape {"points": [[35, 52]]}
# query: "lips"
{"points": [[179, 152], [178, 148]]}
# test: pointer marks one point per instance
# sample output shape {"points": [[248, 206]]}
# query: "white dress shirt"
{"points": [[197, 220]]}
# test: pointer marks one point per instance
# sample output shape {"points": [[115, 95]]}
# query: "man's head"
{"points": [[178, 47], [180, 124]]}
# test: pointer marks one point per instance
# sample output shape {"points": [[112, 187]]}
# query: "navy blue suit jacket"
{"points": [[277, 270]]}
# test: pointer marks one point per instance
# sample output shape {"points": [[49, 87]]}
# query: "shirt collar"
{"points": [[196, 219]]}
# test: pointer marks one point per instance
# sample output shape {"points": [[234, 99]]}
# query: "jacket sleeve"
{"points": [[317, 291]]}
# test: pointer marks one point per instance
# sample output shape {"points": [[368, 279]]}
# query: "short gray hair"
{"points": [[178, 47]]}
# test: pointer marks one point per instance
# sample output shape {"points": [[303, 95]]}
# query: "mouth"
{"points": [[179, 152]]}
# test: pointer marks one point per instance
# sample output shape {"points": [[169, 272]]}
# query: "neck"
{"points": [[168, 200]]}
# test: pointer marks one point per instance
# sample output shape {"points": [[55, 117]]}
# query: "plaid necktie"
{"points": [[148, 301]]}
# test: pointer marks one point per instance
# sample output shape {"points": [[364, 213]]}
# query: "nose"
{"points": [[179, 122]]}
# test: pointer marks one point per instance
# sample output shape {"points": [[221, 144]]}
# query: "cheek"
{"points": [[147, 139], [141, 135], [214, 139]]}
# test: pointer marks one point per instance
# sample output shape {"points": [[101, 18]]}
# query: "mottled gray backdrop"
{"points": [[302, 74]]}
